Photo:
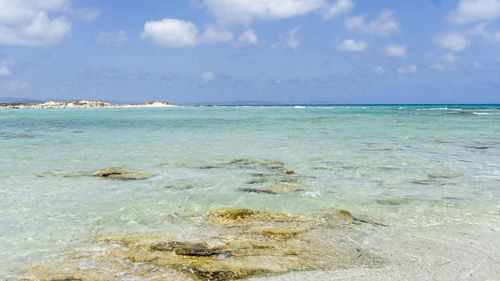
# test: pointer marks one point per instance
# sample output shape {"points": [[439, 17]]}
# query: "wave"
{"points": [[440, 108], [485, 113]]}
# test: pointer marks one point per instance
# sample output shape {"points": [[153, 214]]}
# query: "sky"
{"points": [[283, 51]]}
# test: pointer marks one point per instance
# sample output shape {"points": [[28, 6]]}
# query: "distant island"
{"points": [[83, 104]]}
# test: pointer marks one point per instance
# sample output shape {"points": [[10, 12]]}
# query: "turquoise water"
{"points": [[439, 165]]}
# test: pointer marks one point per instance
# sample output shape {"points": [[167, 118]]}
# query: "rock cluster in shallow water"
{"points": [[267, 176], [248, 243], [119, 173], [108, 172]]}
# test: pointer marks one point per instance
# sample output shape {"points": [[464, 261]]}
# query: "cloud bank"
{"points": [[469, 11], [32, 22]]}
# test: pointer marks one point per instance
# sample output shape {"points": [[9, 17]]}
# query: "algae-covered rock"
{"points": [[343, 217], [279, 233], [233, 215], [119, 173], [187, 248], [109, 172], [256, 190], [368, 221], [337, 216], [248, 243]]}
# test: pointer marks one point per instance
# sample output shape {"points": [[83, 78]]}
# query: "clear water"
{"points": [[440, 164]]}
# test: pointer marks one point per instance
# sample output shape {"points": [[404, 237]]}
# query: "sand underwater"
{"points": [[254, 193]]}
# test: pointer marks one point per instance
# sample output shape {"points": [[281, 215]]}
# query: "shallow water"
{"points": [[423, 170]]}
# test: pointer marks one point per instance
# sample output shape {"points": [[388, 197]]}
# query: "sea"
{"points": [[429, 173]]}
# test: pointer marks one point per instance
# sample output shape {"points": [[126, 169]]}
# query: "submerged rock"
{"points": [[109, 172], [263, 163], [175, 164], [256, 190], [277, 189], [119, 173], [240, 163], [427, 182], [368, 221], [258, 180], [56, 173], [278, 233], [187, 248], [392, 202], [444, 175], [249, 243], [234, 215], [337, 216], [343, 217], [179, 187]]}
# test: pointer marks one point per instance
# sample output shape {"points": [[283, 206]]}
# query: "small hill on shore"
{"points": [[83, 104]]}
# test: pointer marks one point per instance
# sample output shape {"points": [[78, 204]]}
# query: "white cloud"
{"points": [[338, 8], [449, 57], [87, 14], [4, 71], [469, 11], [14, 86], [290, 40], [383, 25], [480, 30], [5, 67], [453, 41], [171, 33], [213, 35], [395, 50], [351, 45], [28, 22], [407, 69], [445, 62], [112, 38], [498, 59], [22, 11], [379, 69], [207, 77], [438, 66], [244, 11], [174, 33], [477, 65], [248, 38]]}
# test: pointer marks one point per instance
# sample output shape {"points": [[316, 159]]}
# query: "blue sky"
{"points": [[296, 51]]}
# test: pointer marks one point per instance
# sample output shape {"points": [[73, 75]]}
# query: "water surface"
{"points": [[415, 168]]}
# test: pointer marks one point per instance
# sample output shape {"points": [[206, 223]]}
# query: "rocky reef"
{"points": [[108, 172], [118, 173], [83, 104], [267, 176], [231, 244]]}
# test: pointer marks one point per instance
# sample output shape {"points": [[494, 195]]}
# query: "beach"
{"points": [[420, 185]]}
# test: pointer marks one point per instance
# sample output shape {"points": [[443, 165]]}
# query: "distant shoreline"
{"points": [[164, 104], [84, 104]]}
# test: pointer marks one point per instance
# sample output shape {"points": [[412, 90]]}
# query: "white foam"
{"points": [[485, 113]]}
